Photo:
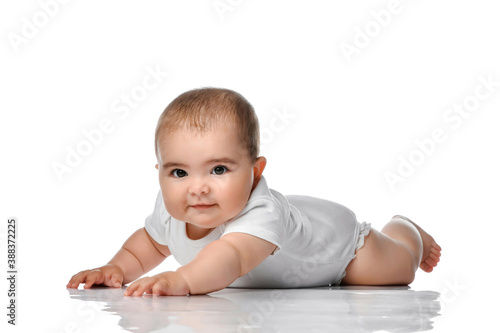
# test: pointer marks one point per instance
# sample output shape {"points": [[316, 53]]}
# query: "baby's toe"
{"points": [[426, 267], [434, 257], [431, 262], [436, 251]]}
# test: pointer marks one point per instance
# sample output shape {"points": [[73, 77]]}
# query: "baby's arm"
{"points": [[215, 267], [138, 255]]}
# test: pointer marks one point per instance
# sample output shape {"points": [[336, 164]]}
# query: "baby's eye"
{"points": [[178, 173], [219, 170]]}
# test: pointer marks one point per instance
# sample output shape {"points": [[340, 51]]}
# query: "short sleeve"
{"points": [[264, 220], [156, 223]]}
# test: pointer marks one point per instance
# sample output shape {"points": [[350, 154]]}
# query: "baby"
{"points": [[216, 215]]}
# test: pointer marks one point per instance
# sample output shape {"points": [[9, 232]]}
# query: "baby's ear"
{"points": [[156, 166], [258, 167]]}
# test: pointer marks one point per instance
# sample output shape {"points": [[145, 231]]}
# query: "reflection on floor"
{"points": [[332, 309]]}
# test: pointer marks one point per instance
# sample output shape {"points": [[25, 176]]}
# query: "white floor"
{"points": [[457, 305], [329, 309]]}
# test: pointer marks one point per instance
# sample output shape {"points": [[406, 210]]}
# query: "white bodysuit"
{"points": [[315, 238]]}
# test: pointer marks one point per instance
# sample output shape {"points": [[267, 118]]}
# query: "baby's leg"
{"points": [[392, 256]]}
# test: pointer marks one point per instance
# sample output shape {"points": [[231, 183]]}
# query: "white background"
{"points": [[350, 123]]}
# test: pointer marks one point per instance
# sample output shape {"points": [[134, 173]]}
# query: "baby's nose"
{"points": [[199, 187]]}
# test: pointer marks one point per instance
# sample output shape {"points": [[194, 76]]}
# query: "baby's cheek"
{"points": [[174, 205], [236, 201]]}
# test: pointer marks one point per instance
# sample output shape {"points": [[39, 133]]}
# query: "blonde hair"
{"points": [[204, 109]]}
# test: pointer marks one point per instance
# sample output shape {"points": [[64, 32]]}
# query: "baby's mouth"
{"points": [[203, 206]]}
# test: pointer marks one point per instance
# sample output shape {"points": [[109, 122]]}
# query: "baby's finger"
{"points": [[72, 280], [77, 279], [131, 288], [161, 288], [116, 280], [71, 283], [94, 277], [139, 287]]}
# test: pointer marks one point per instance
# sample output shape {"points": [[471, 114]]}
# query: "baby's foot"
{"points": [[431, 250]]}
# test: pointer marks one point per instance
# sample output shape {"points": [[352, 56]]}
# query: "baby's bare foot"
{"points": [[431, 250]]}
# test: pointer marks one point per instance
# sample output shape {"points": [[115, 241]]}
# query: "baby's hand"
{"points": [[163, 284], [109, 275]]}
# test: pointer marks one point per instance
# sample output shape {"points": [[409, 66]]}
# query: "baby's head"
{"points": [[202, 110], [207, 146]]}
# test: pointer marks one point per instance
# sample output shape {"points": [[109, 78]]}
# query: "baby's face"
{"points": [[206, 179]]}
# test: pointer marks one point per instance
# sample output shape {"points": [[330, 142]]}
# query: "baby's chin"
{"points": [[203, 220], [208, 219]]}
